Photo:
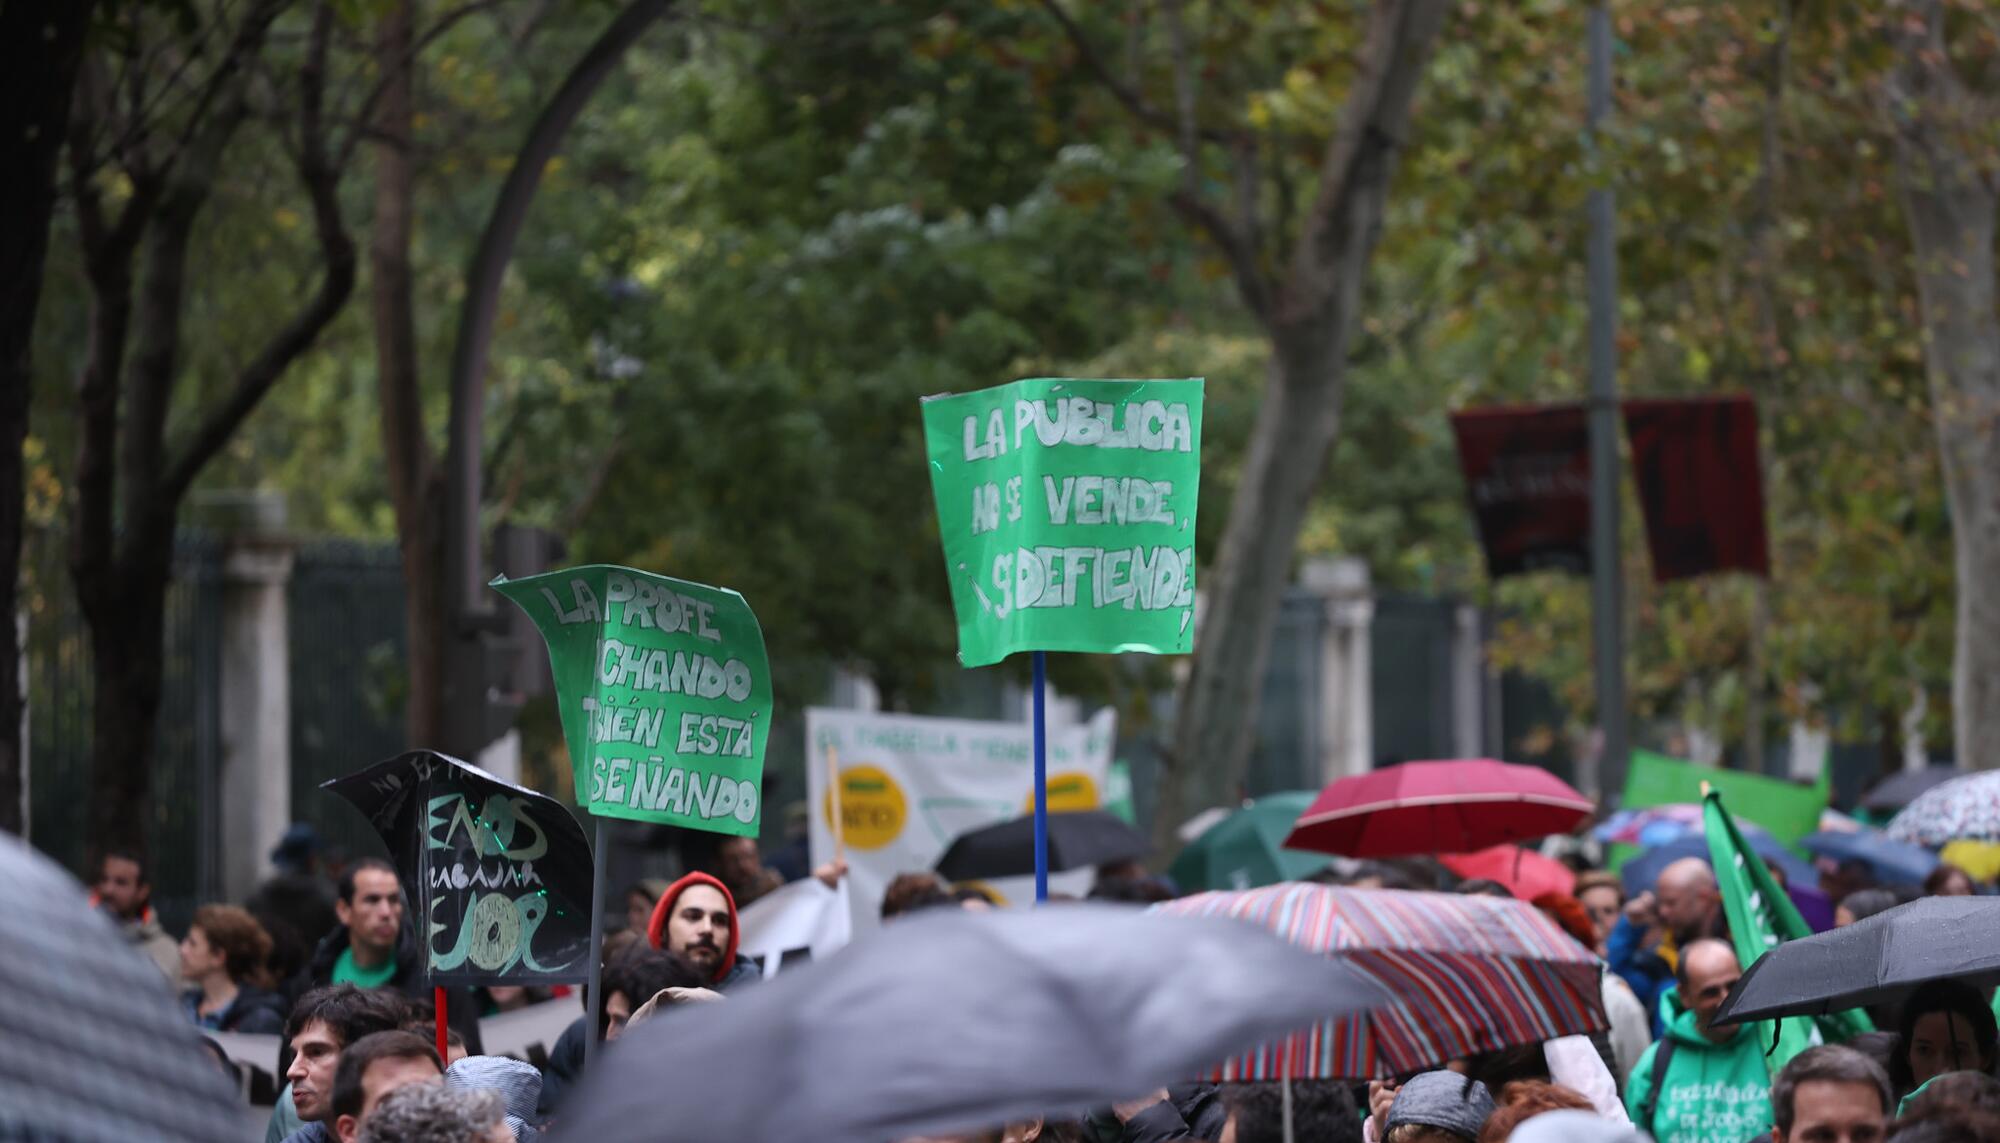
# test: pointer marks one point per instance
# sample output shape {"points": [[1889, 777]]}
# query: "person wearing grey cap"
{"points": [[1438, 1107]]}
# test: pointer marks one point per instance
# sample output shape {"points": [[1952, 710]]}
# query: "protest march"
{"points": [[999, 571]]}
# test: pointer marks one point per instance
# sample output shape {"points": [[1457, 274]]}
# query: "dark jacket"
{"points": [[461, 1009], [313, 1133], [1191, 1111], [1643, 968], [254, 1011], [564, 1068]]}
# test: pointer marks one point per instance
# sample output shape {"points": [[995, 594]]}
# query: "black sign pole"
{"points": [[598, 849]]}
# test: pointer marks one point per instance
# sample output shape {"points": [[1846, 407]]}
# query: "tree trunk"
{"points": [[414, 479], [1310, 318], [125, 607], [1949, 200], [41, 46]]}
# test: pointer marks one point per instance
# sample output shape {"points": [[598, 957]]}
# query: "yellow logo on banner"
{"points": [[1069, 791], [872, 808]]}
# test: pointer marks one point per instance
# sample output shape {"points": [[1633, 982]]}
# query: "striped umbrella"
{"points": [[1469, 974]]}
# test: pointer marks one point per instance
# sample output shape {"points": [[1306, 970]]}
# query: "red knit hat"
{"points": [[665, 908]]}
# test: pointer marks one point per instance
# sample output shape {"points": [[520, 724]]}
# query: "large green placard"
{"points": [[1067, 509], [665, 694]]}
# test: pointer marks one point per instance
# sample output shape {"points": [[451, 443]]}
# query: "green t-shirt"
{"points": [[345, 971]]}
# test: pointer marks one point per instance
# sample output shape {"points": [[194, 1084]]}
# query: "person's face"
{"points": [[1684, 908], [739, 862], [1942, 1042], [1826, 1111], [1956, 884], [381, 1078], [1603, 904], [1709, 980], [699, 927], [1842, 917], [638, 912], [317, 1054], [198, 957], [507, 997], [617, 1013], [376, 913], [120, 889]]}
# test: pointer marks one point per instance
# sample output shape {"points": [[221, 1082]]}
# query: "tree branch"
{"points": [[364, 116], [322, 183], [1128, 96]]}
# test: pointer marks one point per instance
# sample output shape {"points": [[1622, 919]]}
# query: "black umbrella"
{"points": [[1900, 789], [1873, 961], [1077, 839], [950, 1021], [92, 1043]]}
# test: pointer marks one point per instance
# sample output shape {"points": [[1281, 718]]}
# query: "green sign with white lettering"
{"points": [[665, 694], [1067, 513]]}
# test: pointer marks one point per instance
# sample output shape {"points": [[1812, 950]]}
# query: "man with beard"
{"points": [[696, 918], [373, 946], [1643, 949], [125, 894]]}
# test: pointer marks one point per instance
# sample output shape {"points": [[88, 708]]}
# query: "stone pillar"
{"points": [[1346, 706], [1468, 683], [254, 778]]}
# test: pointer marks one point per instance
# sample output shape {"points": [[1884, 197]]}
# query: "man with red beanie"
{"points": [[696, 917]]}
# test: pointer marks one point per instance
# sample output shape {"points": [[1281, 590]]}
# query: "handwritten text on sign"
{"points": [[1067, 511], [664, 690]]}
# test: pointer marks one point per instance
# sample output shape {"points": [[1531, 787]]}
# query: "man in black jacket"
{"points": [[374, 946]]}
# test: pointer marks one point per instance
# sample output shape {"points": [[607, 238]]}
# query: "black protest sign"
{"points": [[499, 875]]}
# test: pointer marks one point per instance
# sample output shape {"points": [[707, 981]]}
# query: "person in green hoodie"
{"points": [[1712, 1085]]}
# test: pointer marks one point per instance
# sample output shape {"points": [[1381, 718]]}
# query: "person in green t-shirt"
{"points": [[372, 914]]}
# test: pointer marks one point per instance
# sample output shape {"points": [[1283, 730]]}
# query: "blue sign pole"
{"points": [[1041, 781]]}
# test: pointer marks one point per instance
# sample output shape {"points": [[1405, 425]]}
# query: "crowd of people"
{"points": [[360, 1062]]}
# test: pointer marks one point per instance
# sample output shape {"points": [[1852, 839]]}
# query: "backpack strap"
{"points": [[1663, 1053]]}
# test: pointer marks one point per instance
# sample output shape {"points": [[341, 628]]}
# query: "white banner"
{"points": [[910, 785], [786, 928]]}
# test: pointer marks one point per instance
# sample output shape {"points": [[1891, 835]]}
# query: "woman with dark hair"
{"points": [[1946, 1027], [1949, 881]]}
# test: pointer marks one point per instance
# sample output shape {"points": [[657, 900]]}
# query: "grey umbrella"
{"points": [[955, 1021], [1873, 961], [1905, 786], [92, 1045]]}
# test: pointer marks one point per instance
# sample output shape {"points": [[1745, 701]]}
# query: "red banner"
{"points": [[1700, 485], [1527, 474]]}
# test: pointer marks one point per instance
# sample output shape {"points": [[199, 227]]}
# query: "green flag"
{"points": [[1787, 810], [1761, 917], [1067, 513], [664, 690]]}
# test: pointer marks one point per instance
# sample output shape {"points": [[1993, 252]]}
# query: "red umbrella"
{"points": [[1437, 807], [1525, 873]]}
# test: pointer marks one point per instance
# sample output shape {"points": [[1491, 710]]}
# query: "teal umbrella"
{"points": [[1246, 849]]}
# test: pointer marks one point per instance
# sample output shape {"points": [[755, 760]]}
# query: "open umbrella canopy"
{"points": [[1467, 974], [1078, 839], [1640, 872], [1438, 807], [955, 1021], [1889, 861], [1648, 826], [1900, 789], [1247, 848], [92, 1043], [1525, 873], [1874, 961], [1963, 809]]}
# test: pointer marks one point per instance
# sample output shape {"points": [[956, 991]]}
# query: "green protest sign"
{"points": [[664, 690], [1787, 811], [1067, 513]]}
